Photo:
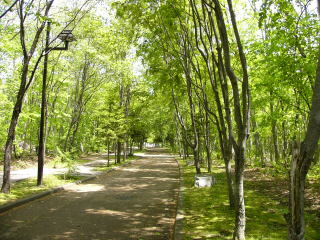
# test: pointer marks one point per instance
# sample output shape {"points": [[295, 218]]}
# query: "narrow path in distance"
{"points": [[137, 201]]}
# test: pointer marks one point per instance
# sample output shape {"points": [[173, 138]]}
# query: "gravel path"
{"points": [[134, 202]]}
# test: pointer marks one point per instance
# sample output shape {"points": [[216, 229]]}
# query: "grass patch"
{"points": [[66, 164], [28, 187], [208, 215], [112, 164], [140, 151]]}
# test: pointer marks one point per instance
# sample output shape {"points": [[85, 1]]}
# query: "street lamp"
{"points": [[65, 36]]}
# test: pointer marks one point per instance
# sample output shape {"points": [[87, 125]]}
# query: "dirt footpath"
{"points": [[137, 201]]}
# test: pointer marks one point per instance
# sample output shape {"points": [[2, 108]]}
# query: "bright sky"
{"points": [[101, 8]]}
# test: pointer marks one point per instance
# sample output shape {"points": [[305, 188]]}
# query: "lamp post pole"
{"points": [[42, 132], [66, 36]]}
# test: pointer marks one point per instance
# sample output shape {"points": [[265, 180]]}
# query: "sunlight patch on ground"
{"points": [[151, 228], [107, 212], [86, 188], [164, 220], [153, 155], [131, 170], [137, 186], [65, 235]]}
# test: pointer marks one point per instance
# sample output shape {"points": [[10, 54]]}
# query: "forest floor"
{"points": [[137, 201], [208, 216]]}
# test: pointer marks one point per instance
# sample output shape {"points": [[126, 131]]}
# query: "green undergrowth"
{"points": [[28, 187], [314, 173], [113, 164], [208, 215], [66, 162], [141, 151], [30, 160]]}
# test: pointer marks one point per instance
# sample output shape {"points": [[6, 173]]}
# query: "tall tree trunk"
{"points": [[24, 85], [207, 29], [119, 148], [284, 140], [257, 142], [108, 153], [229, 175], [131, 148], [9, 145], [195, 144], [79, 103], [302, 159], [115, 152], [125, 146], [241, 103], [207, 142], [240, 221], [274, 131], [179, 138], [12, 128]]}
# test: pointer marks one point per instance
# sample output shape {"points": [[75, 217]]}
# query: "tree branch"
{"points": [[9, 9]]}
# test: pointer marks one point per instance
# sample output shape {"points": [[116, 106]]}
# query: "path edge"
{"points": [[20, 202], [178, 233]]}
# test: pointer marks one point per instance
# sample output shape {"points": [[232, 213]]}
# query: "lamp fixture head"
{"points": [[66, 36]]}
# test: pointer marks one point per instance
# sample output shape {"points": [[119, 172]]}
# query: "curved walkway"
{"points": [[86, 169], [137, 201]]}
